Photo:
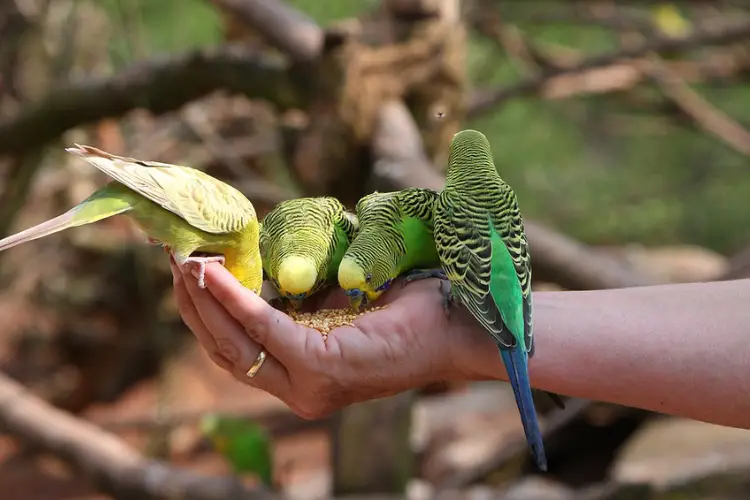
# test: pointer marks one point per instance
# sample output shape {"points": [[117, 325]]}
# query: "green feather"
{"points": [[396, 236], [315, 231], [244, 444], [505, 287]]}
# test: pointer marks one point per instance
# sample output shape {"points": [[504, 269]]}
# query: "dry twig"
{"points": [[278, 422], [705, 115], [282, 26], [484, 101]]}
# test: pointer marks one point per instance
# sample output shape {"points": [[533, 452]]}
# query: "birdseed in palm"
{"points": [[326, 320]]}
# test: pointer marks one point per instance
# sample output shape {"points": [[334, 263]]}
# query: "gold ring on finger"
{"points": [[262, 355]]}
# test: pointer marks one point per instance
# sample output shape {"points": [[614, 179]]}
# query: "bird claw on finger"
{"points": [[448, 299], [421, 274], [201, 262]]}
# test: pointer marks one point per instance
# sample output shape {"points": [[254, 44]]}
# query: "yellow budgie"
{"points": [[181, 208]]}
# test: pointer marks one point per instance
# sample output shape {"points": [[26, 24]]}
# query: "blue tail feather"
{"points": [[516, 364]]}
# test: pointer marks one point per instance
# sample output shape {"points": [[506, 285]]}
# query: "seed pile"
{"points": [[325, 320]]}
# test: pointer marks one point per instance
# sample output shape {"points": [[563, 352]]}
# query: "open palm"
{"points": [[386, 351]]}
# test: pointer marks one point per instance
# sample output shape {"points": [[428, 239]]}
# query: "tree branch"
{"points": [[116, 467], [278, 422], [483, 101], [282, 26], [705, 115], [158, 85]]}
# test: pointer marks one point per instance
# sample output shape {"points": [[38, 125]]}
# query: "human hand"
{"points": [[387, 351]]}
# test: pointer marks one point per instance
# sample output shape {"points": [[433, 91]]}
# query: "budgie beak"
{"points": [[296, 300], [356, 298]]}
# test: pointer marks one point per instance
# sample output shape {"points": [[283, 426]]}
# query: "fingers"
{"points": [[265, 325], [225, 340], [272, 376], [193, 320]]}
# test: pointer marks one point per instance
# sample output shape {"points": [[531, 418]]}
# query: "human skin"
{"points": [[677, 349]]}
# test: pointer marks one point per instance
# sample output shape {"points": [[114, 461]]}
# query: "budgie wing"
{"points": [[464, 241], [348, 223], [203, 201], [523, 268], [511, 259], [366, 201], [418, 203]]}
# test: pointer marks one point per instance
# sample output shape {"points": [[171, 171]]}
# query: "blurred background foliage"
{"points": [[594, 166]]}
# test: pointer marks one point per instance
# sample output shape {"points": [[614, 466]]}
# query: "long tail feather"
{"points": [[51, 226], [516, 365], [91, 210]]}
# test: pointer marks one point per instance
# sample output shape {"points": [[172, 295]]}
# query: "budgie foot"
{"points": [[449, 300], [557, 400], [421, 274], [201, 262]]}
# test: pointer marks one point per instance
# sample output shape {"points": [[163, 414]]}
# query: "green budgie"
{"points": [[180, 208], [484, 253], [395, 237], [244, 444], [302, 242]]}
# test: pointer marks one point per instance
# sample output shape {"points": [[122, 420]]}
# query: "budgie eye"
{"points": [[368, 278]]}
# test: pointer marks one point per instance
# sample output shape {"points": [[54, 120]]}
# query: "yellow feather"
{"points": [[297, 274]]}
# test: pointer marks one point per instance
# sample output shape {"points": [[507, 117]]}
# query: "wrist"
{"points": [[474, 355]]}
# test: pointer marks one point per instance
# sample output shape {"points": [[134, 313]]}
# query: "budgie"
{"points": [[395, 237], [244, 444], [302, 242], [483, 250], [180, 208]]}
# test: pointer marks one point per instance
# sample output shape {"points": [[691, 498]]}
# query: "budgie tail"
{"points": [[91, 210], [516, 364]]}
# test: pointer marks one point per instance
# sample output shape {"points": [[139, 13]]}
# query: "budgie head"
{"points": [[373, 259], [470, 153], [365, 276], [296, 278]]}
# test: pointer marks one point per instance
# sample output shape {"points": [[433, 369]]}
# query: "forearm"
{"points": [[677, 349]]}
